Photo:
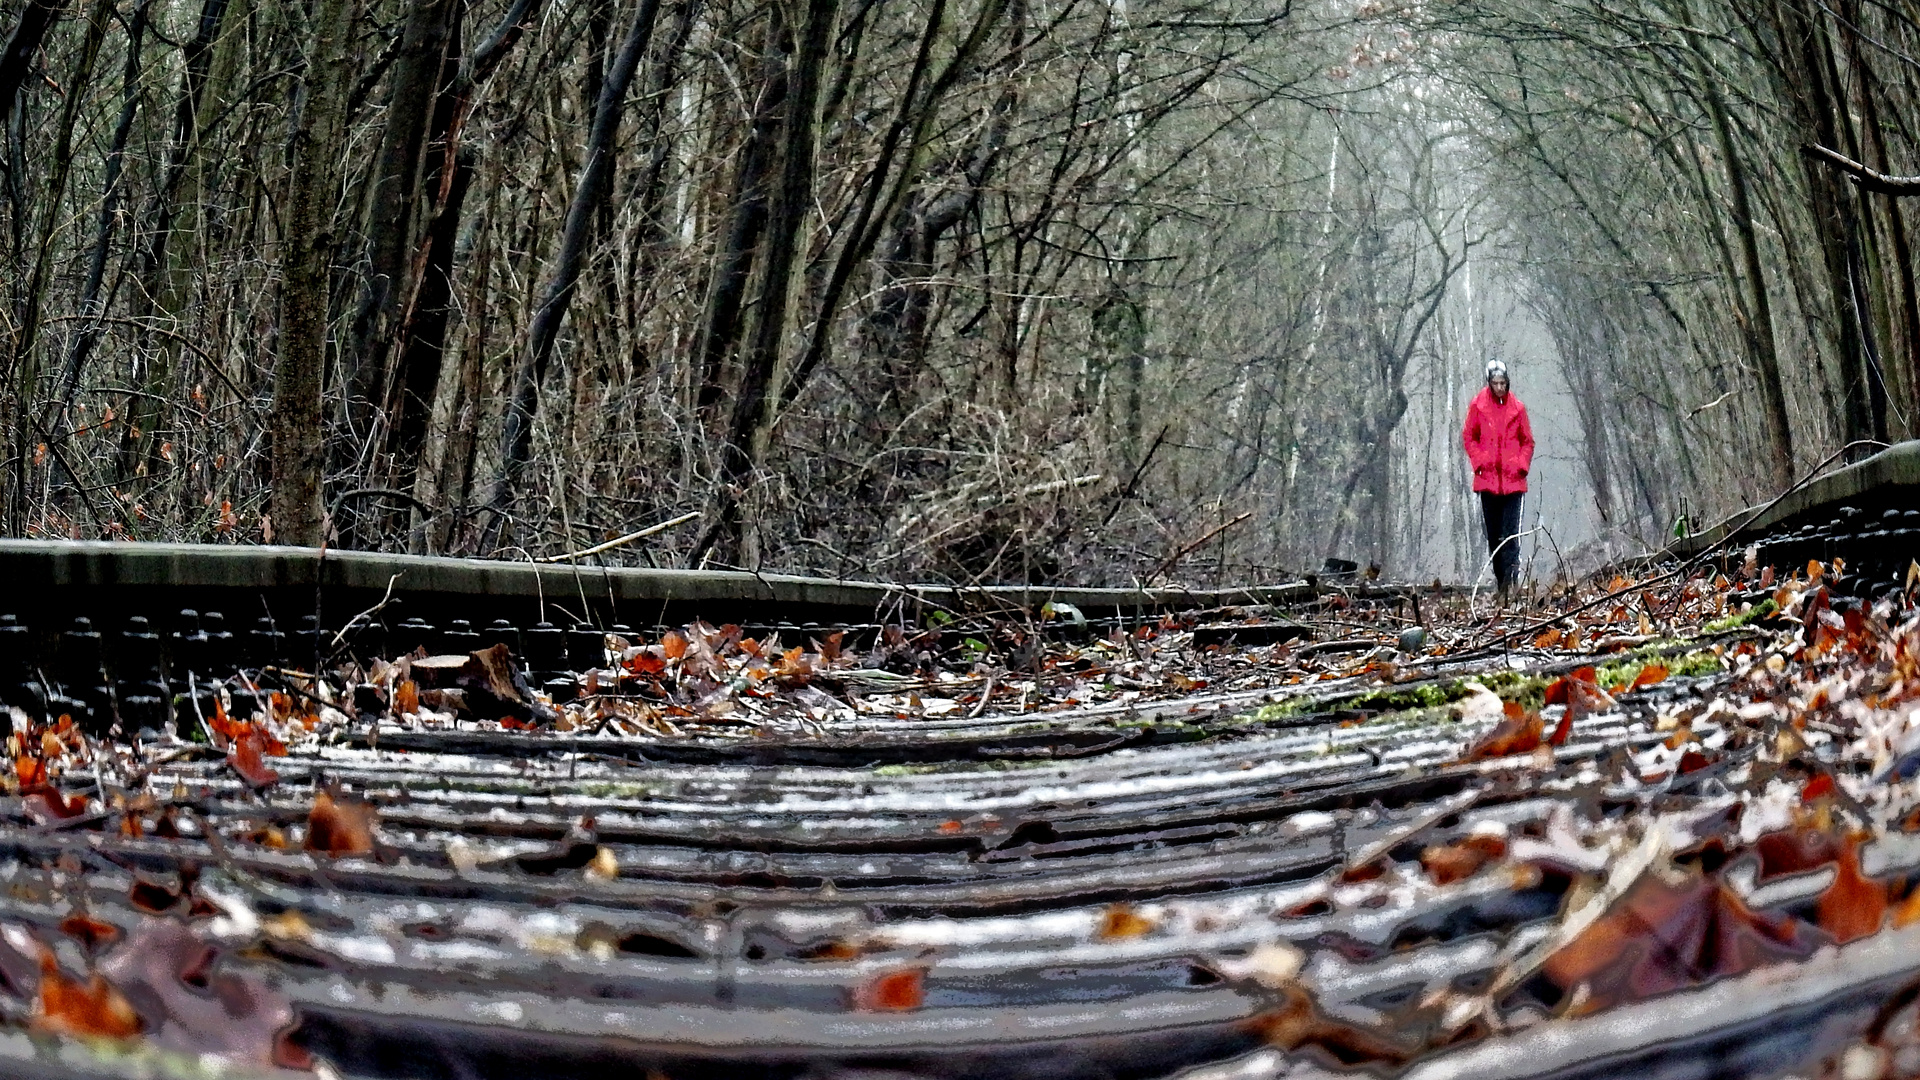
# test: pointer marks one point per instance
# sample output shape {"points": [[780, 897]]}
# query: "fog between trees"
{"points": [[969, 290]]}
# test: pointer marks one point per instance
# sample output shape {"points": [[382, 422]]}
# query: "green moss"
{"points": [[905, 770], [1759, 611]]}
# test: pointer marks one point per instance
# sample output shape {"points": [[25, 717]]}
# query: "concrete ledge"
{"points": [[1895, 467], [37, 565]]}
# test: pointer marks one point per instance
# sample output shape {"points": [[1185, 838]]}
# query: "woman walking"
{"points": [[1499, 443]]}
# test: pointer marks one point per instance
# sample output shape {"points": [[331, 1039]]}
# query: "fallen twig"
{"points": [[1191, 548], [617, 542], [375, 609]]}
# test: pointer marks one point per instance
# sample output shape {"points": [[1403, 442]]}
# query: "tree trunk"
{"points": [[296, 418], [92, 306], [37, 18], [1759, 328], [596, 180], [727, 291], [393, 208], [792, 200]]}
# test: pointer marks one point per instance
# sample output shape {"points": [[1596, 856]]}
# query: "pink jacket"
{"points": [[1499, 443]]}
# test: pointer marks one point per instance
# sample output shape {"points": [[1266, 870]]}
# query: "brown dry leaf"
{"points": [[1855, 905], [893, 991], [1297, 1021], [794, 666], [1649, 675], [673, 646], [1661, 937], [1121, 921], [89, 931], [1448, 863], [834, 950], [339, 826], [1519, 733], [245, 759], [91, 1009], [193, 1007], [48, 804]]}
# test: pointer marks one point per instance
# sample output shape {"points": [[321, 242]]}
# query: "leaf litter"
{"points": [[1751, 809]]}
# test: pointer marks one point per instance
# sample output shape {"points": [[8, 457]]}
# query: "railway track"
{"points": [[1259, 879]]}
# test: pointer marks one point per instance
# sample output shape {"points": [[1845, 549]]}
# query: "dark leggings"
{"points": [[1501, 514]]}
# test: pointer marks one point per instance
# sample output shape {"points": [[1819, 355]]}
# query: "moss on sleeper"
{"points": [[1759, 611]]}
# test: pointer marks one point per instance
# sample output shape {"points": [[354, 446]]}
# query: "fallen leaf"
{"points": [[89, 931], [91, 1009], [1448, 863], [245, 759], [49, 804], [1855, 905], [604, 866], [1121, 921], [1518, 733], [1662, 936], [673, 645], [893, 991], [192, 1007], [1297, 1021], [339, 826], [1794, 851]]}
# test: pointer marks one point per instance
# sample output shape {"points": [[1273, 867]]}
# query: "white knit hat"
{"points": [[1497, 369]]}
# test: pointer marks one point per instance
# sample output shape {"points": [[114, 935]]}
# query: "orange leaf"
{"points": [[87, 930], [1854, 905], [1460, 860], [1519, 733], [93, 1009], [1120, 921], [673, 645], [406, 698], [895, 991], [49, 803], [647, 662], [829, 649], [246, 760], [1649, 675], [1563, 729], [1556, 693], [1549, 639], [339, 827], [1817, 787]]}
